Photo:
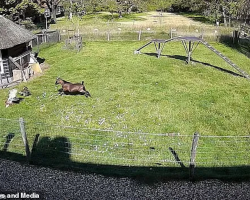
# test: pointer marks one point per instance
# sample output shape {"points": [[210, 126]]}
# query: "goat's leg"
{"points": [[61, 92]]}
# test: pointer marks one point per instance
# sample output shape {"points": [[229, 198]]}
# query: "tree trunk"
{"points": [[53, 16], [70, 11], [229, 20], [130, 9], [224, 16], [120, 14]]}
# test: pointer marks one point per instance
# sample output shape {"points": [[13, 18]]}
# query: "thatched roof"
{"points": [[11, 34]]}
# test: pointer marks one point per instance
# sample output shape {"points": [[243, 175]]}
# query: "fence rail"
{"points": [[121, 148]]}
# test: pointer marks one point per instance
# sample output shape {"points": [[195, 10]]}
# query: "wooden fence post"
{"points": [[108, 35], [24, 136], [139, 36], [236, 36], [192, 156], [171, 32]]}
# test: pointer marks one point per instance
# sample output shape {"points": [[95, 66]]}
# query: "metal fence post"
{"points": [[192, 156], [24, 136]]}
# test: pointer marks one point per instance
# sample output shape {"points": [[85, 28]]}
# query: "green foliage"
{"points": [[24, 8], [29, 8], [229, 9]]}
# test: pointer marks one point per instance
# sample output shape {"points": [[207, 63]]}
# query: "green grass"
{"points": [[101, 21], [199, 17], [136, 93], [149, 94]]}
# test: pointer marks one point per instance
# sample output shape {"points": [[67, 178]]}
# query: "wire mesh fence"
{"points": [[52, 36], [11, 137], [223, 151], [111, 147], [120, 33], [147, 33], [121, 148]]}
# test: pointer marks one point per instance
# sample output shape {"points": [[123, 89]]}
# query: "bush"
{"points": [[28, 24]]}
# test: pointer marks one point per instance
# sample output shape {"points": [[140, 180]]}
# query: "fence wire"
{"points": [[223, 151], [118, 32], [10, 137], [112, 147], [109, 147]]}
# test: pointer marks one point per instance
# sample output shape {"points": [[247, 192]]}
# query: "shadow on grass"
{"points": [[184, 58], [56, 154], [198, 17], [243, 46]]}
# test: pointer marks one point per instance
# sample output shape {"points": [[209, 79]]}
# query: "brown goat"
{"points": [[72, 88]]}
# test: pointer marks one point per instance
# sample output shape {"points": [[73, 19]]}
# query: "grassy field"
{"points": [[135, 93], [140, 92], [150, 24]]}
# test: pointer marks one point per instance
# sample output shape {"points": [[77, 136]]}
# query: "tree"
{"points": [[161, 5], [18, 10], [52, 5], [243, 10], [111, 6]]}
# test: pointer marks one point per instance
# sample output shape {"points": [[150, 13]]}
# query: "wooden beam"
{"points": [[6, 84], [15, 63]]}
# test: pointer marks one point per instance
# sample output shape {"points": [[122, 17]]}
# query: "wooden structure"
{"points": [[74, 42], [190, 44], [15, 51], [244, 30]]}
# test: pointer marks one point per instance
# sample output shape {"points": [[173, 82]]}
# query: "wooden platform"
{"points": [[190, 43]]}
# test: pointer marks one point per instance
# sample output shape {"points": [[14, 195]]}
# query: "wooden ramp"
{"points": [[227, 60], [190, 44]]}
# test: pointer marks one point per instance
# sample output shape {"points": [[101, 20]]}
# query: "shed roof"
{"points": [[12, 34]]}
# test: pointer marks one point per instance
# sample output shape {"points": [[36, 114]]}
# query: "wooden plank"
{"points": [[6, 84], [15, 63]]}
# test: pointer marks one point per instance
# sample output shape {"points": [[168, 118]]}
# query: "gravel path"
{"points": [[55, 184]]}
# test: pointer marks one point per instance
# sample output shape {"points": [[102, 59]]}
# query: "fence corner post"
{"points": [[24, 137], [192, 156]]}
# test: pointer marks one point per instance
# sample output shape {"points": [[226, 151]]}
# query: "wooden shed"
{"points": [[15, 50]]}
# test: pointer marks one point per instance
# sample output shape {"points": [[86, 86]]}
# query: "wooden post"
{"points": [[139, 36], [189, 52], [171, 32], [192, 156], [1, 76], [24, 136], [108, 35], [59, 35], [22, 70], [236, 35], [37, 40]]}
